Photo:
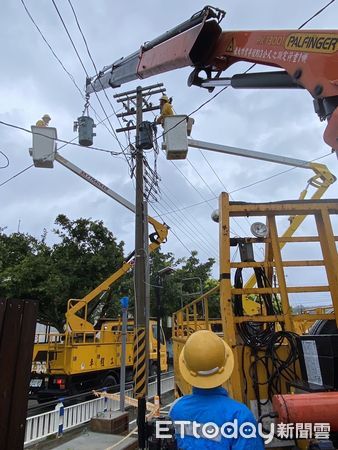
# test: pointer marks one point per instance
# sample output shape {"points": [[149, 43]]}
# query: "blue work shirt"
{"points": [[213, 405]]}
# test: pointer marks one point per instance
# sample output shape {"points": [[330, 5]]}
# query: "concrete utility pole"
{"points": [[129, 100]]}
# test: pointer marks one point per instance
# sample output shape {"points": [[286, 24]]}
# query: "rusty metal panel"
{"points": [[16, 347]]}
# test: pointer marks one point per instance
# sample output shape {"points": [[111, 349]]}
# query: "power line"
{"points": [[87, 75], [51, 49], [16, 175], [194, 221], [95, 68], [32, 165], [191, 231], [177, 237], [316, 14], [59, 140], [226, 190], [72, 78], [246, 186]]}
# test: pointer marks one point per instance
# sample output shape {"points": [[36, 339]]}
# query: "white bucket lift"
{"points": [[175, 136], [44, 146]]}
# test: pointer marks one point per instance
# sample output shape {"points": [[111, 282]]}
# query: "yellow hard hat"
{"points": [[46, 116], [164, 98], [206, 361]]}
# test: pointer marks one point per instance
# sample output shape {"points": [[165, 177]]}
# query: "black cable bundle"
{"points": [[281, 368], [265, 342], [256, 334]]}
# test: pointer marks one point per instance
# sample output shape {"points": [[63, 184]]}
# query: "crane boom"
{"points": [[74, 321], [308, 59]]}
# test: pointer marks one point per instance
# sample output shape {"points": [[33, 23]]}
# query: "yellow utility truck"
{"points": [[73, 362], [88, 356]]}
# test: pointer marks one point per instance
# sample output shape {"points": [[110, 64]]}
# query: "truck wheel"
{"points": [[152, 369], [109, 381]]}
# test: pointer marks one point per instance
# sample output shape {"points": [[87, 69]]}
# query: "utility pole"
{"points": [[124, 305], [130, 100]]}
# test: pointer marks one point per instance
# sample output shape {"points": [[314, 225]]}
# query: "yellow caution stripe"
{"points": [[139, 372]]}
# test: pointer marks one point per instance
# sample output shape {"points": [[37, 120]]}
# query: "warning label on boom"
{"points": [[316, 42]]}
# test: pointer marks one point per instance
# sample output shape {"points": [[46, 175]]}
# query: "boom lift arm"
{"points": [[73, 321], [321, 180], [308, 60]]}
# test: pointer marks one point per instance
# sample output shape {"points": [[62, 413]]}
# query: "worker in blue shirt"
{"points": [[209, 418]]}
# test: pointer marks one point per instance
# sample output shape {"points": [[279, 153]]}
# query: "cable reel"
{"points": [[85, 126]]}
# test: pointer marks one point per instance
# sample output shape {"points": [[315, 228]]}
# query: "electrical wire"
{"points": [[265, 341], [32, 165], [194, 221], [7, 160], [72, 78], [247, 186], [95, 68], [16, 175], [316, 14], [191, 232], [87, 75], [226, 190], [172, 232], [59, 140], [51, 49]]}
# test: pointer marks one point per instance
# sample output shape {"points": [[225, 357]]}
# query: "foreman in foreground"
{"points": [[210, 416]]}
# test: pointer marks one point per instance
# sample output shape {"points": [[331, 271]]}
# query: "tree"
{"points": [[86, 254], [189, 275]]}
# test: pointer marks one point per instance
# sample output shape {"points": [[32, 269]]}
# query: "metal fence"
{"points": [[62, 418]]}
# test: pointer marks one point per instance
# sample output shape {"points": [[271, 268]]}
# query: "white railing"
{"points": [[62, 418]]}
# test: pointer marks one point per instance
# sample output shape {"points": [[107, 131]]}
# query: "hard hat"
{"points": [[47, 117], [164, 98], [206, 361]]}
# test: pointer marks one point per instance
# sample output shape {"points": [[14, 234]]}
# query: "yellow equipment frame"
{"points": [[196, 315]]}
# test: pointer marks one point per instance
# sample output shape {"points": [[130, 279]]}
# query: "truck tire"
{"points": [[152, 369], [109, 381]]}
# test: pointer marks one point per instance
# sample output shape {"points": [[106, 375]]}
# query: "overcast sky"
{"points": [[33, 83]]}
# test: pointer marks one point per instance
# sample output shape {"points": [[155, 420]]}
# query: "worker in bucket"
{"points": [[166, 109], [44, 121], [211, 419]]}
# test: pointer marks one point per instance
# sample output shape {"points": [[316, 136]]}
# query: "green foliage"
{"points": [[190, 276], [86, 254]]}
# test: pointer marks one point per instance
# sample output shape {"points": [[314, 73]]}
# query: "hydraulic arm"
{"points": [[76, 322], [307, 59]]}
